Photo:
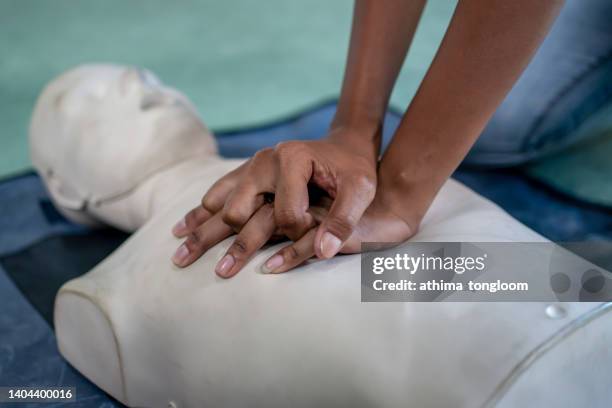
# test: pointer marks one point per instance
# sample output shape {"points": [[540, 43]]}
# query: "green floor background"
{"points": [[242, 62]]}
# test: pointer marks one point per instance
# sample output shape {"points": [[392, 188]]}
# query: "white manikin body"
{"points": [[153, 335]]}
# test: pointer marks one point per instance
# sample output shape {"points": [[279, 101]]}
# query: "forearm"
{"points": [[381, 34], [487, 46]]}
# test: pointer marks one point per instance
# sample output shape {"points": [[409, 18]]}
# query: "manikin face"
{"points": [[99, 130]]}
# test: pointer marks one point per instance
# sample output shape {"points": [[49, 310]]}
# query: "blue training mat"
{"points": [[40, 250], [29, 356]]}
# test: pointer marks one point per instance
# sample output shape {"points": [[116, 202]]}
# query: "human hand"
{"points": [[343, 165], [378, 224]]}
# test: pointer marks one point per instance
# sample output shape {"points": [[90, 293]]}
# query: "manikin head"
{"points": [[98, 132]]}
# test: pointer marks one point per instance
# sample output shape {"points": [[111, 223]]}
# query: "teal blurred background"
{"points": [[242, 62]]}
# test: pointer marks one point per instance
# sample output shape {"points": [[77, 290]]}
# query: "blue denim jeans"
{"points": [[563, 96]]}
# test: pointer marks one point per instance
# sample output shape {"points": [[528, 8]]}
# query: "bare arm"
{"points": [[487, 46], [381, 34]]}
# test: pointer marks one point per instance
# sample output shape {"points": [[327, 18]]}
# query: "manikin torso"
{"points": [[116, 147]]}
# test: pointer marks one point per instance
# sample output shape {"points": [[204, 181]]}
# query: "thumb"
{"points": [[352, 200]]}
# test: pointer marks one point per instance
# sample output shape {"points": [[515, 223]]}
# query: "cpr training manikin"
{"points": [[116, 147]]}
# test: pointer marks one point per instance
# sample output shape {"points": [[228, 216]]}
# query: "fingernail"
{"points": [[224, 265], [181, 254], [180, 227], [330, 245], [273, 263]]}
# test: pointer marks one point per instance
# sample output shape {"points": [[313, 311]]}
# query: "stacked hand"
{"points": [[319, 194], [268, 197]]}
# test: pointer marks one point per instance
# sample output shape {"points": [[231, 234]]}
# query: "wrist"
{"points": [[363, 137], [357, 117], [405, 192]]}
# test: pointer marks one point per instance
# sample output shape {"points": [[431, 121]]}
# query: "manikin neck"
{"points": [[153, 195]]}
